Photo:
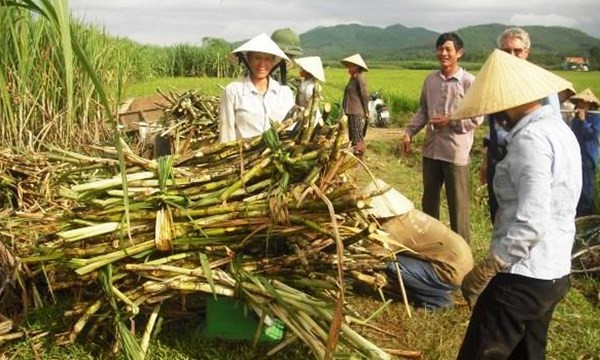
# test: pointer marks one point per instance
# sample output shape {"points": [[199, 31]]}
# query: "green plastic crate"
{"points": [[229, 319]]}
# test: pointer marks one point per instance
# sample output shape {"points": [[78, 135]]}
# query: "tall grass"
{"points": [[209, 60], [45, 93], [47, 97]]}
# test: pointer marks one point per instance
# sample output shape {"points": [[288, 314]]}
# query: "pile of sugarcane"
{"points": [[274, 220], [190, 118]]}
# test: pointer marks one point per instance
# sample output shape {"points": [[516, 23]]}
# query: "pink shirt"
{"points": [[441, 96]]}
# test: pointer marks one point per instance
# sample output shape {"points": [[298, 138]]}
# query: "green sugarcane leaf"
{"points": [[207, 272]]}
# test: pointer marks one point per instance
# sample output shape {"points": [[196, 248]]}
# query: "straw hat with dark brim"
{"points": [[505, 82], [586, 95], [355, 59], [260, 43], [312, 65]]}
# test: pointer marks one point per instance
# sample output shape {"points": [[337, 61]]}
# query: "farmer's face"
{"points": [[305, 74], [447, 54], [352, 69], [515, 47], [582, 105], [260, 64]]}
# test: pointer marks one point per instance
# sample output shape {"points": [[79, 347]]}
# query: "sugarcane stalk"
{"points": [[282, 345], [11, 336], [149, 328], [372, 351], [255, 171], [169, 259], [402, 288], [312, 326], [102, 260], [190, 286], [83, 320], [88, 232], [133, 307], [223, 209], [342, 129], [112, 182], [309, 339]]}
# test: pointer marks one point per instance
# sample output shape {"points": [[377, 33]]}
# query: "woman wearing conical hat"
{"points": [[248, 105], [514, 291], [356, 102], [586, 127], [311, 72]]}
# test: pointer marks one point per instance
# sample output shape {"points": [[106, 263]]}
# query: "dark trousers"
{"points": [[456, 181], [586, 200], [492, 201], [355, 133], [510, 320]]}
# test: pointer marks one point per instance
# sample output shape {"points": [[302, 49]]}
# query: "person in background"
{"points": [[447, 143], [311, 71], [289, 42], [248, 105], [586, 127], [514, 41], [431, 258], [513, 292], [356, 102], [567, 110]]}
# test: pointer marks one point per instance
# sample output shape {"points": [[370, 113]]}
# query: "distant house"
{"points": [[576, 63]]}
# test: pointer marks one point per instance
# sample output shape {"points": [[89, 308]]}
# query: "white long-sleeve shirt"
{"points": [[245, 113], [537, 185], [305, 93]]}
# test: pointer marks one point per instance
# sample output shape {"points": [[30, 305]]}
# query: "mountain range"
{"points": [[398, 42]]}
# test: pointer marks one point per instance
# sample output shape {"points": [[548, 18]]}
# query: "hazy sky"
{"points": [[188, 21]]}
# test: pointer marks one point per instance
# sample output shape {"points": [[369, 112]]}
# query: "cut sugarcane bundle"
{"points": [[236, 219]]}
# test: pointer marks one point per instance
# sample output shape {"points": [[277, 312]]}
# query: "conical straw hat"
{"points": [[260, 43], [586, 95], [312, 65], [566, 94], [390, 203], [355, 59], [505, 82]]}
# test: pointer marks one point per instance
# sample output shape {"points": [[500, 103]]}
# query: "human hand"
{"points": [[478, 278], [405, 143], [439, 121]]}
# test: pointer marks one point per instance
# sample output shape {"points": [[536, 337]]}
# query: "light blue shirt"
{"points": [[245, 113], [538, 185]]}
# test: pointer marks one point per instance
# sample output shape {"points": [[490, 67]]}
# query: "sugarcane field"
{"points": [[143, 215]]}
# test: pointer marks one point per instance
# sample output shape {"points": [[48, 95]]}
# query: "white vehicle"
{"points": [[379, 111]]}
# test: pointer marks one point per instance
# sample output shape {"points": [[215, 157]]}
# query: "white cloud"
{"points": [[544, 20]]}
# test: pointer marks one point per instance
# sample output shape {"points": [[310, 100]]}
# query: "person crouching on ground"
{"points": [[248, 105], [435, 259], [586, 127], [514, 291]]}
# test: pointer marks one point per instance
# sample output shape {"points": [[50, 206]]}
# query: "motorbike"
{"points": [[379, 111]]}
